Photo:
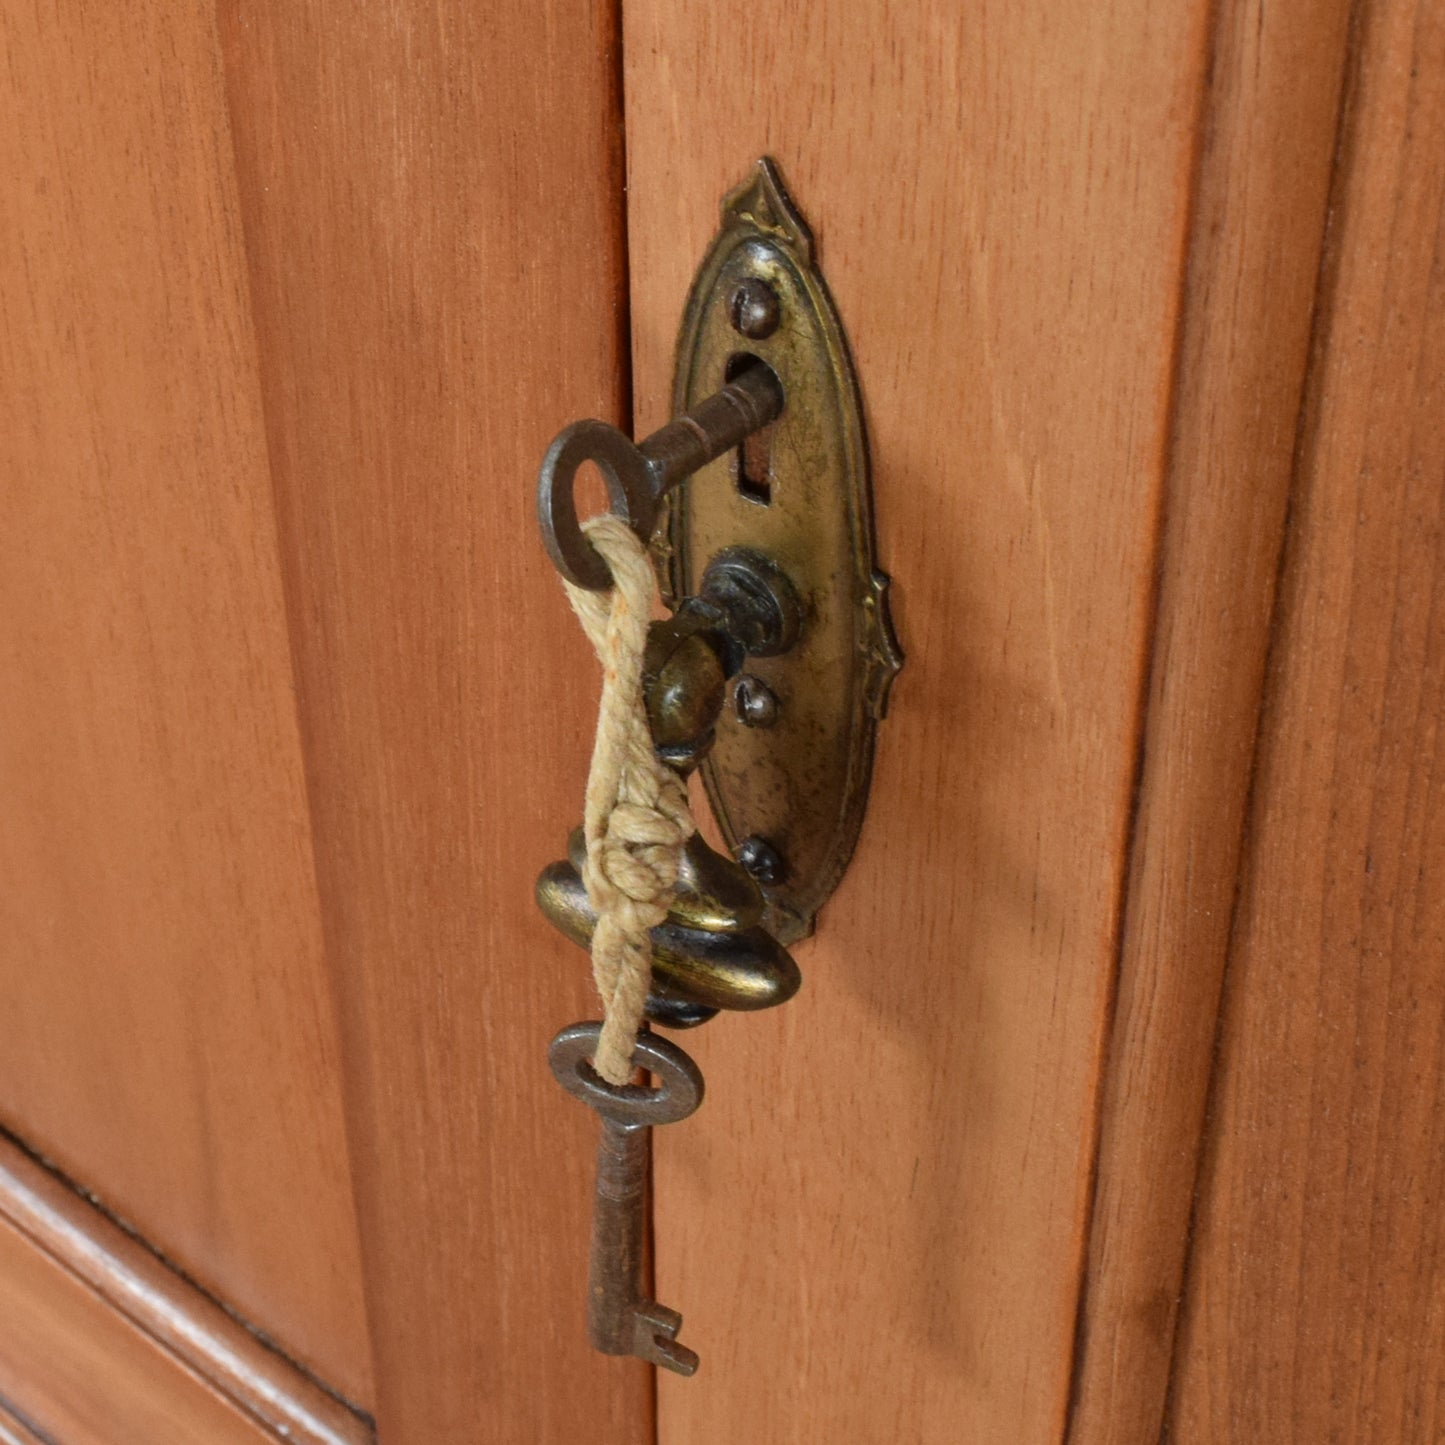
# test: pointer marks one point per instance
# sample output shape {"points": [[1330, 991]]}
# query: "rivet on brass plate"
{"points": [[797, 493]]}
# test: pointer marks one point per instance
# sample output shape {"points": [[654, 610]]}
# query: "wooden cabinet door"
{"points": [[292, 710], [1109, 1110]]}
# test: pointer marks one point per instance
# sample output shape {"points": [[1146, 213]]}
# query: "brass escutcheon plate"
{"points": [[800, 496]]}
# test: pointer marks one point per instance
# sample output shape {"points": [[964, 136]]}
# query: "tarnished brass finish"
{"points": [[796, 495], [711, 952], [684, 683], [713, 892], [755, 603], [746, 608]]}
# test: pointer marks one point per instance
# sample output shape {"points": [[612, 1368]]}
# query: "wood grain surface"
{"points": [[100, 1341], [293, 711], [432, 196], [168, 1031], [1314, 1308], [876, 1226], [1268, 144]]}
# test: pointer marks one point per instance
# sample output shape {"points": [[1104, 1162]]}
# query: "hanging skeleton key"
{"points": [[621, 1318], [771, 675], [712, 951]]}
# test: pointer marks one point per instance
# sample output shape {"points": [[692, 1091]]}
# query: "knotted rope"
{"points": [[636, 818]]}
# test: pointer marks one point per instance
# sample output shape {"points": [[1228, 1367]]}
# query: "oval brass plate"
{"points": [[799, 494]]}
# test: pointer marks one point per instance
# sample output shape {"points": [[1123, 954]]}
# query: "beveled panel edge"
{"points": [[15, 1430], [179, 1317]]}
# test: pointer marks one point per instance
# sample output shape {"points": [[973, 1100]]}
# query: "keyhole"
{"points": [[753, 460]]}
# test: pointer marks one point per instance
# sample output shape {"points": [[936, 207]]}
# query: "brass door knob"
{"points": [[710, 953]]}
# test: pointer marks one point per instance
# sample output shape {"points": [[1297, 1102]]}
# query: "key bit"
{"points": [[621, 1318]]}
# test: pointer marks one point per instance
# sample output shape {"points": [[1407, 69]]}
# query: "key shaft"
{"points": [[639, 475], [621, 1319], [623, 1156]]}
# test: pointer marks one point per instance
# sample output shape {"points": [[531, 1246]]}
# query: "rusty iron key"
{"points": [[621, 1318]]}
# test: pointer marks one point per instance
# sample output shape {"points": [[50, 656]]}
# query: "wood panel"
{"points": [[1267, 150], [169, 1037], [432, 198], [876, 1226], [1313, 1308], [100, 1341]]}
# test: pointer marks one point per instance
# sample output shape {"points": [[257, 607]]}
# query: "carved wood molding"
{"points": [[101, 1341]]}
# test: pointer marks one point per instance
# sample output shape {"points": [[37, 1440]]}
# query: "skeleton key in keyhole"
{"points": [[621, 1318]]}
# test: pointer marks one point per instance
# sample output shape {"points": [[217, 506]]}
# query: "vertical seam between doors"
{"points": [[1306, 425], [1203, 119]]}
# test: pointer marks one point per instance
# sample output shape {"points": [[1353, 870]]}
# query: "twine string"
{"points": [[636, 818]]}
